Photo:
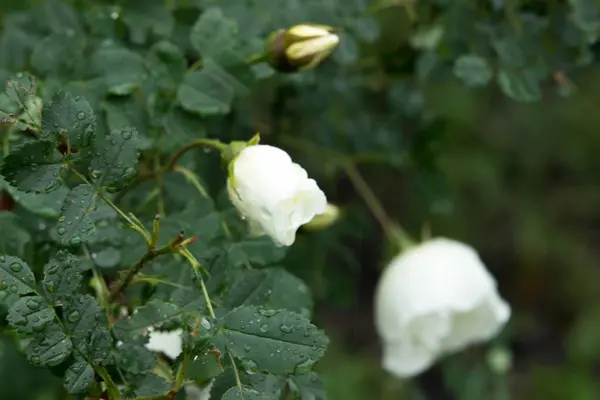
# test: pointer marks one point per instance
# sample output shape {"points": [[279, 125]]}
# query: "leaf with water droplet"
{"points": [[147, 385], [87, 325], [30, 314], [79, 378], [246, 394], [75, 221], [15, 272], [274, 288], [281, 329], [117, 159], [63, 118], [49, 349], [307, 386], [62, 276], [33, 166], [152, 313], [135, 358]]}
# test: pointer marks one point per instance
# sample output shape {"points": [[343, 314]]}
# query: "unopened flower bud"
{"points": [[324, 220], [301, 47]]}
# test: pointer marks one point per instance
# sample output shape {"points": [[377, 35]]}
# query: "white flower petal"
{"points": [[274, 193], [169, 343], [432, 300]]}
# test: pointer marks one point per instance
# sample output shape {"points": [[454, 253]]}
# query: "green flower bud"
{"points": [[324, 220], [301, 47]]}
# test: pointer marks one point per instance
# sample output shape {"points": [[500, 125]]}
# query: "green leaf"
{"points": [[49, 349], [167, 65], [146, 19], [213, 33], [43, 204], [16, 276], [33, 167], [59, 16], [246, 394], [135, 358], [272, 288], [122, 69], [523, 85], [86, 323], [30, 314], [75, 225], [204, 367], [180, 127], [150, 385], [21, 89], [209, 91], [274, 341], [472, 70], [79, 378], [256, 250], [58, 54], [152, 313], [13, 237], [62, 276], [69, 116], [308, 386], [115, 159]]}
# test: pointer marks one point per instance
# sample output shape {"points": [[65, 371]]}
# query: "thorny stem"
{"points": [[392, 230], [208, 143], [150, 255]]}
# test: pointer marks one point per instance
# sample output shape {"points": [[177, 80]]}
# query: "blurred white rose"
{"points": [[273, 193], [432, 300], [193, 392], [168, 343]]}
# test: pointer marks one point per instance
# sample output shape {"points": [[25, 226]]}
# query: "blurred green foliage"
{"points": [[476, 120]]}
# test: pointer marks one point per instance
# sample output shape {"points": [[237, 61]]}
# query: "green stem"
{"points": [[208, 143], [211, 311], [238, 381], [149, 256], [181, 372], [113, 390]]}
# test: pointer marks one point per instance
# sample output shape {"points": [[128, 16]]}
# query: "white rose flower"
{"points": [[169, 343], [432, 300], [273, 193]]}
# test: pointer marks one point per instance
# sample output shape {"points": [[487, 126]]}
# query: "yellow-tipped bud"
{"points": [[324, 220], [301, 47]]}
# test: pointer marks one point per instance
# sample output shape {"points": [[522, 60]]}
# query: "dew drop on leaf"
{"points": [[61, 231], [264, 328], [16, 267], [33, 304], [73, 317], [14, 288], [81, 115]]}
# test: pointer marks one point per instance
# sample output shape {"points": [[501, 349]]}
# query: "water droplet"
{"points": [[2, 259], [76, 125], [2, 286], [51, 286], [16, 267], [75, 241], [264, 328], [114, 15], [286, 328], [35, 360], [61, 231], [267, 313], [205, 323], [81, 116], [73, 317], [14, 288], [127, 134], [33, 304], [247, 348]]}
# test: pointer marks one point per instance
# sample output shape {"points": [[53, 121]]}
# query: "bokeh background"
{"points": [[503, 156]]}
